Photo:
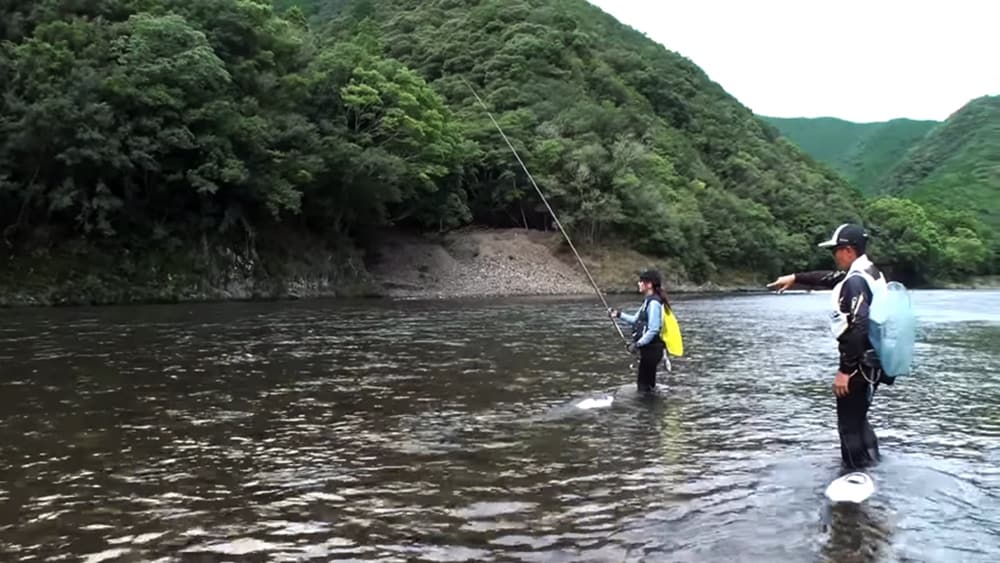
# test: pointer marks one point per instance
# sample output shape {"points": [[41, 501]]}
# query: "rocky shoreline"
{"points": [[472, 263], [477, 262], [466, 263]]}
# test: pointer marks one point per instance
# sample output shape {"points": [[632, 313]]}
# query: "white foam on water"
{"points": [[598, 403], [105, 555], [853, 487]]}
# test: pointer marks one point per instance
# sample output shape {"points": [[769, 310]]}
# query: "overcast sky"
{"points": [[861, 61]]}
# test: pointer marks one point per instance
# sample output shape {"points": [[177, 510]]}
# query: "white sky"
{"points": [[858, 60]]}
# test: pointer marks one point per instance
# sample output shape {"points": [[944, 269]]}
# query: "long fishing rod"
{"points": [[597, 290]]}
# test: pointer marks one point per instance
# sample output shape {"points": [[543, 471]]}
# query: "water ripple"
{"points": [[307, 431]]}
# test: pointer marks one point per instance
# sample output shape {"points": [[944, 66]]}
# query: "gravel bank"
{"points": [[475, 263]]}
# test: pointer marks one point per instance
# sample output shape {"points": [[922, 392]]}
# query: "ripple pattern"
{"points": [[445, 431]]}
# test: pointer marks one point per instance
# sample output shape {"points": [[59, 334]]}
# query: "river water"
{"points": [[447, 431]]}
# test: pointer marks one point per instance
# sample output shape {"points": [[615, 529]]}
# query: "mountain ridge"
{"points": [[151, 144], [958, 165], [864, 153]]}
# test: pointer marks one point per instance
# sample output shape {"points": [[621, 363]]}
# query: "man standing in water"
{"points": [[857, 286]]}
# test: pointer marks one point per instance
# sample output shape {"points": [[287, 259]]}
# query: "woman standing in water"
{"points": [[647, 324]]}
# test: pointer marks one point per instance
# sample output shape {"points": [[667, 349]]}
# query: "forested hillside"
{"points": [[958, 165], [564, 70], [863, 153], [948, 225], [151, 139], [632, 141]]}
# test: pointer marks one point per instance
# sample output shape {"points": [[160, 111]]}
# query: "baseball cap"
{"points": [[847, 234]]}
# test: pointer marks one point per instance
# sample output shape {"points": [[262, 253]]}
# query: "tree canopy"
{"points": [[137, 123], [864, 153], [128, 120], [957, 166], [630, 141], [947, 172]]}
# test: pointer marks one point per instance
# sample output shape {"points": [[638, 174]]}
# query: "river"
{"points": [[447, 431]]}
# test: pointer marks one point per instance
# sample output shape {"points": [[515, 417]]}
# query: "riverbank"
{"points": [[976, 282], [477, 262], [285, 267], [471, 262], [465, 263]]}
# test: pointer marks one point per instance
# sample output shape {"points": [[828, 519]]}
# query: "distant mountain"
{"points": [[864, 153], [957, 165], [947, 173]]}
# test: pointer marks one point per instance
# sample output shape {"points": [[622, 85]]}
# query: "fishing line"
{"points": [[597, 290]]}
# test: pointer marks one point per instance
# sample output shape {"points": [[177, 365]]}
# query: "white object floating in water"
{"points": [[598, 403], [853, 487]]}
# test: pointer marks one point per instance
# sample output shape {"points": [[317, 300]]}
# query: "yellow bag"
{"points": [[670, 332]]}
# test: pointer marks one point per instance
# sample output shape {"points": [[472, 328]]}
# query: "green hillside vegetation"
{"points": [[826, 139], [958, 165], [138, 123], [533, 74], [630, 140], [877, 152], [920, 242], [954, 174], [158, 133], [863, 153], [942, 212]]}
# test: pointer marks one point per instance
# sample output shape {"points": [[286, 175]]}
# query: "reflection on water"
{"points": [[403, 431]]}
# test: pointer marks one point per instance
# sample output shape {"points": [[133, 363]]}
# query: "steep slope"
{"points": [[958, 165], [863, 152], [151, 144], [881, 148], [629, 139], [827, 139], [177, 139]]}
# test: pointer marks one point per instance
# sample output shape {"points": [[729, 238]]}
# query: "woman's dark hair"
{"points": [[654, 278], [659, 292]]}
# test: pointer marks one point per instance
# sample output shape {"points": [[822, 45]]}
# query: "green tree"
{"points": [[136, 123], [904, 239]]}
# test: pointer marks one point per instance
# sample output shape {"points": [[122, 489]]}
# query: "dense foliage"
{"points": [[864, 153], [130, 122], [958, 165], [155, 123], [921, 243], [628, 139], [951, 228]]}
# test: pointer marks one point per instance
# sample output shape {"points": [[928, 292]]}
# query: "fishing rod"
{"points": [[597, 290]]}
